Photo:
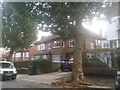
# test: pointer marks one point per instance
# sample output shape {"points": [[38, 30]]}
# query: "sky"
{"points": [[95, 27], [41, 33]]}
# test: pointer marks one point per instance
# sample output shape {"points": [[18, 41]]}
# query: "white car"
{"points": [[7, 70]]}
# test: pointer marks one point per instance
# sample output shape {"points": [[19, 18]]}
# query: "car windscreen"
{"points": [[6, 65]]}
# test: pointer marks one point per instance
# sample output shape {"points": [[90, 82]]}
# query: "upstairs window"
{"points": [[18, 54], [49, 46], [38, 47], [56, 44], [27, 54], [71, 43], [41, 47]]}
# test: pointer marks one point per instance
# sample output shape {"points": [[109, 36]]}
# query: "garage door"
{"points": [[56, 57]]}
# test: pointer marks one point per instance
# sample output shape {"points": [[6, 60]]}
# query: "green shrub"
{"points": [[109, 72], [23, 64], [55, 66], [40, 66], [95, 64]]}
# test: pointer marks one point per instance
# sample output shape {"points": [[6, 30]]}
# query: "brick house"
{"points": [[17, 56], [55, 47]]}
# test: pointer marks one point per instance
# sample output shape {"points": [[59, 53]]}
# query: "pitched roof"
{"points": [[52, 37], [47, 38]]}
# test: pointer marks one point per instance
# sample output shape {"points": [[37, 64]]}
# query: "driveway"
{"points": [[57, 76], [45, 80], [34, 81]]}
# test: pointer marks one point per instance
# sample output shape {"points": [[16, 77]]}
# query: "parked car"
{"points": [[66, 64], [7, 70], [117, 82]]}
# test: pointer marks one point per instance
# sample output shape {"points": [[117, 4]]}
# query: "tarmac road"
{"points": [[45, 80], [35, 81], [16, 84]]}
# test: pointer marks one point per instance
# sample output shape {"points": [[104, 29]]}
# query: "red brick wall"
{"points": [[33, 50], [66, 47], [25, 57], [61, 50]]}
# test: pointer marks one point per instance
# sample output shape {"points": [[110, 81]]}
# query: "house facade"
{"points": [[17, 56], [112, 33], [56, 48]]}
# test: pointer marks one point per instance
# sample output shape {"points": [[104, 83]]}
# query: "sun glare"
{"points": [[96, 26], [41, 33]]}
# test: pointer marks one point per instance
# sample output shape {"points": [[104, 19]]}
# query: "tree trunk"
{"points": [[77, 71], [21, 55], [9, 58]]}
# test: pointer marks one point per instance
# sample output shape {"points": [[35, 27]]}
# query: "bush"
{"points": [[22, 70], [40, 66], [95, 64], [22, 67], [100, 72], [55, 66], [23, 64]]}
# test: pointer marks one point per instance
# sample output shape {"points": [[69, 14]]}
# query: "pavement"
{"points": [[53, 77], [46, 78]]}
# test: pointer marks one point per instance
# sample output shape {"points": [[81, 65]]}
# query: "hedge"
{"points": [[22, 64], [100, 72], [39, 66]]}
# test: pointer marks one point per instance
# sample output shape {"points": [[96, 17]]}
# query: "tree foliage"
{"points": [[19, 25], [65, 19], [61, 18]]}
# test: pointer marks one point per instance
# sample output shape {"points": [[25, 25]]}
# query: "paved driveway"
{"points": [[56, 76], [34, 81], [45, 78]]}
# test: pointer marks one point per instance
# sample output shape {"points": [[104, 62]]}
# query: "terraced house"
{"points": [[55, 47]]}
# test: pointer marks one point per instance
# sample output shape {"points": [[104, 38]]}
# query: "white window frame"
{"points": [[38, 47], [18, 54], [71, 43], [41, 47], [49, 45], [106, 45], [27, 54], [56, 44]]}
